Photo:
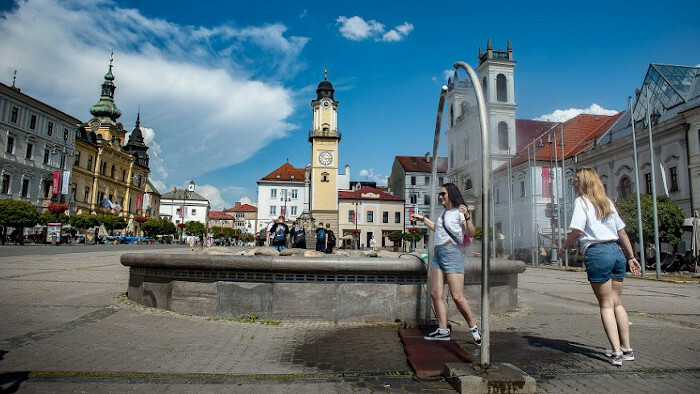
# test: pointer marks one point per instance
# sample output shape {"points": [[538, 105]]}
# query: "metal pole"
{"points": [[433, 185], [531, 175], [556, 188], [486, 181], [563, 195], [653, 192], [509, 184], [636, 184]]}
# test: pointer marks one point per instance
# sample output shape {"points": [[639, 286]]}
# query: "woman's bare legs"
{"points": [[612, 313], [437, 285], [456, 284]]}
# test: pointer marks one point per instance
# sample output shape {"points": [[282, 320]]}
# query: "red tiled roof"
{"points": [[218, 215], [357, 194], [242, 208], [418, 164], [286, 173], [580, 133]]}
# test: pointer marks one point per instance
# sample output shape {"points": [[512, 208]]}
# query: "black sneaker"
{"points": [[440, 334], [476, 334]]}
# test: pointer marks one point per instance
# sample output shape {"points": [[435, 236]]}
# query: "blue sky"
{"points": [[225, 87]]}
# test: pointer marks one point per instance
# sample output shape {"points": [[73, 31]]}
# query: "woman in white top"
{"points": [[448, 261], [596, 224]]}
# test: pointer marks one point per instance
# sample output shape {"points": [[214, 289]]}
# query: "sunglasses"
{"points": [[442, 194]]}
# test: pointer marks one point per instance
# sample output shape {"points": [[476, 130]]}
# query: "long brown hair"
{"points": [[453, 194], [590, 186]]}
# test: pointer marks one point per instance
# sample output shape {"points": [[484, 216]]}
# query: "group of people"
{"points": [[595, 223], [279, 236], [198, 240]]}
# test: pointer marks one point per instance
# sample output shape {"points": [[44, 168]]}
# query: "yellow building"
{"points": [[109, 176], [324, 138]]}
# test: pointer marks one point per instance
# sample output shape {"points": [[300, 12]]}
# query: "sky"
{"points": [[224, 88]]}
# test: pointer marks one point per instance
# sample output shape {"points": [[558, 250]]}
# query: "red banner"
{"points": [[546, 192], [410, 211], [56, 182], [352, 217], [139, 200]]}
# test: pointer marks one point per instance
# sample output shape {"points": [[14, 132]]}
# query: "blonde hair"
{"points": [[590, 186]]}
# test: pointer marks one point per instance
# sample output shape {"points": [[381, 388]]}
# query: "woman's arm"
{"points": [[570, 240], [624, 241], [422, 218], [467, 223]]}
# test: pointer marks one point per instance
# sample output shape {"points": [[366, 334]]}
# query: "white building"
{"points": [[183, 206], [281, 192]]}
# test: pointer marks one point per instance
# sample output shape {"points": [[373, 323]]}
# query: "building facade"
{"points": [[410, 179], [36, 141], [184, 205], [368, 212], [245, 217], [281, 193], [110, 174]]}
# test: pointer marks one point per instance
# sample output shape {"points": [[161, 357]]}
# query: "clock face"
{"points": [[325, 157], [94, 125], [326, 104]]}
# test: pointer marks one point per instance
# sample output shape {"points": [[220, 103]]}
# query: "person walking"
{"points": [[278, 233], [597, 225], [321, 238], [330, 239], [298, 236], [448, 261]]}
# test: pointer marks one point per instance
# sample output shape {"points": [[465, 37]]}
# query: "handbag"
{"points": [[465, 239]]}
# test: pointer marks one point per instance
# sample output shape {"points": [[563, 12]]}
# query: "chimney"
{"points": [[238, 204], [427, 157]]}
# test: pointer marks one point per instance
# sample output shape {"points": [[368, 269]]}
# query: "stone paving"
{"points": [[66, 328]]}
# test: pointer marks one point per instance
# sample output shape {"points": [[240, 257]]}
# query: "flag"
{"points": [[545, 182], [139, 200], [65, 182], [116, 206], [146, 203], [352, 219], [106, 203]]}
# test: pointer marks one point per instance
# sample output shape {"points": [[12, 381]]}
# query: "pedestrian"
{"points": [[279, 232], [330, 239], [298, 236], [373, 244], [596, 224], [201, 241], [190, 238], [321, 238], [448, 261]]}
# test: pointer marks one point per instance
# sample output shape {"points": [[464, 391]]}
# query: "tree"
{"points": [[17, 214], [83, 221], [154, 226], [670, 218], [194, 228], [112, 222], [396, 237]]}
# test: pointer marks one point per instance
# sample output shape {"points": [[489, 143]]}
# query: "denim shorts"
{"points": [[605, 261], [448, 258]]}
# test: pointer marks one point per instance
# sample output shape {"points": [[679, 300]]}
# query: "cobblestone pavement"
{"points": [[65, 328]]}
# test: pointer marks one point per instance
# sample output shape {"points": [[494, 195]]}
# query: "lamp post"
{"points": [[284, 198], [357, 205]]}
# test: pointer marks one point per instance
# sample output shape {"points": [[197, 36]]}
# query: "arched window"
{"points": [[502, 136], [452, 114], [625, 186], [111, 172], [501, 88], [483, 87], [463, 108], [468, 185], [324, 177]]}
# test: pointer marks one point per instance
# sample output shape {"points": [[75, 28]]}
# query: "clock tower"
{"points": [[324, 138]]}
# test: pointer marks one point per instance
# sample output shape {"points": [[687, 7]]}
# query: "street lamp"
{"points": [[284, 198], [356, 233]]}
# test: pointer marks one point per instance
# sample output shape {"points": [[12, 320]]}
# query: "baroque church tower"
{"points": [[324, 138]]}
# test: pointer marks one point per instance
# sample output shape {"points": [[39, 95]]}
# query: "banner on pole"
{"points": [[65, 182], [546, 192], [139, 200]]}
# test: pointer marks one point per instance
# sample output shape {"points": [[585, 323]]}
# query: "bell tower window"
{"points": [[502, 136], [501, 88]]}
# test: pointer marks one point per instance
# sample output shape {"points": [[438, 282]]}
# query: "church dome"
{"points": [[325, 89]]}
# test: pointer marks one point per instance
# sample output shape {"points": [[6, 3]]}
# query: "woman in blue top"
{"points": [[448, 262], [596, 224]]}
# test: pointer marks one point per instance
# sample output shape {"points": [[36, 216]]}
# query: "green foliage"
{"points": [[412, 237], [18, 214], [247, 238], [228, 231], [396, 236], [51, 217], [194, 228], [83, 221], [670, 218], [478, 232], [112, 222], [154, 226]]}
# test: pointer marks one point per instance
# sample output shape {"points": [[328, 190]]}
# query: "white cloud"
{"points": [[371, 176], [562, 115], [357, 28], [213, 194], [198, 88]]}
